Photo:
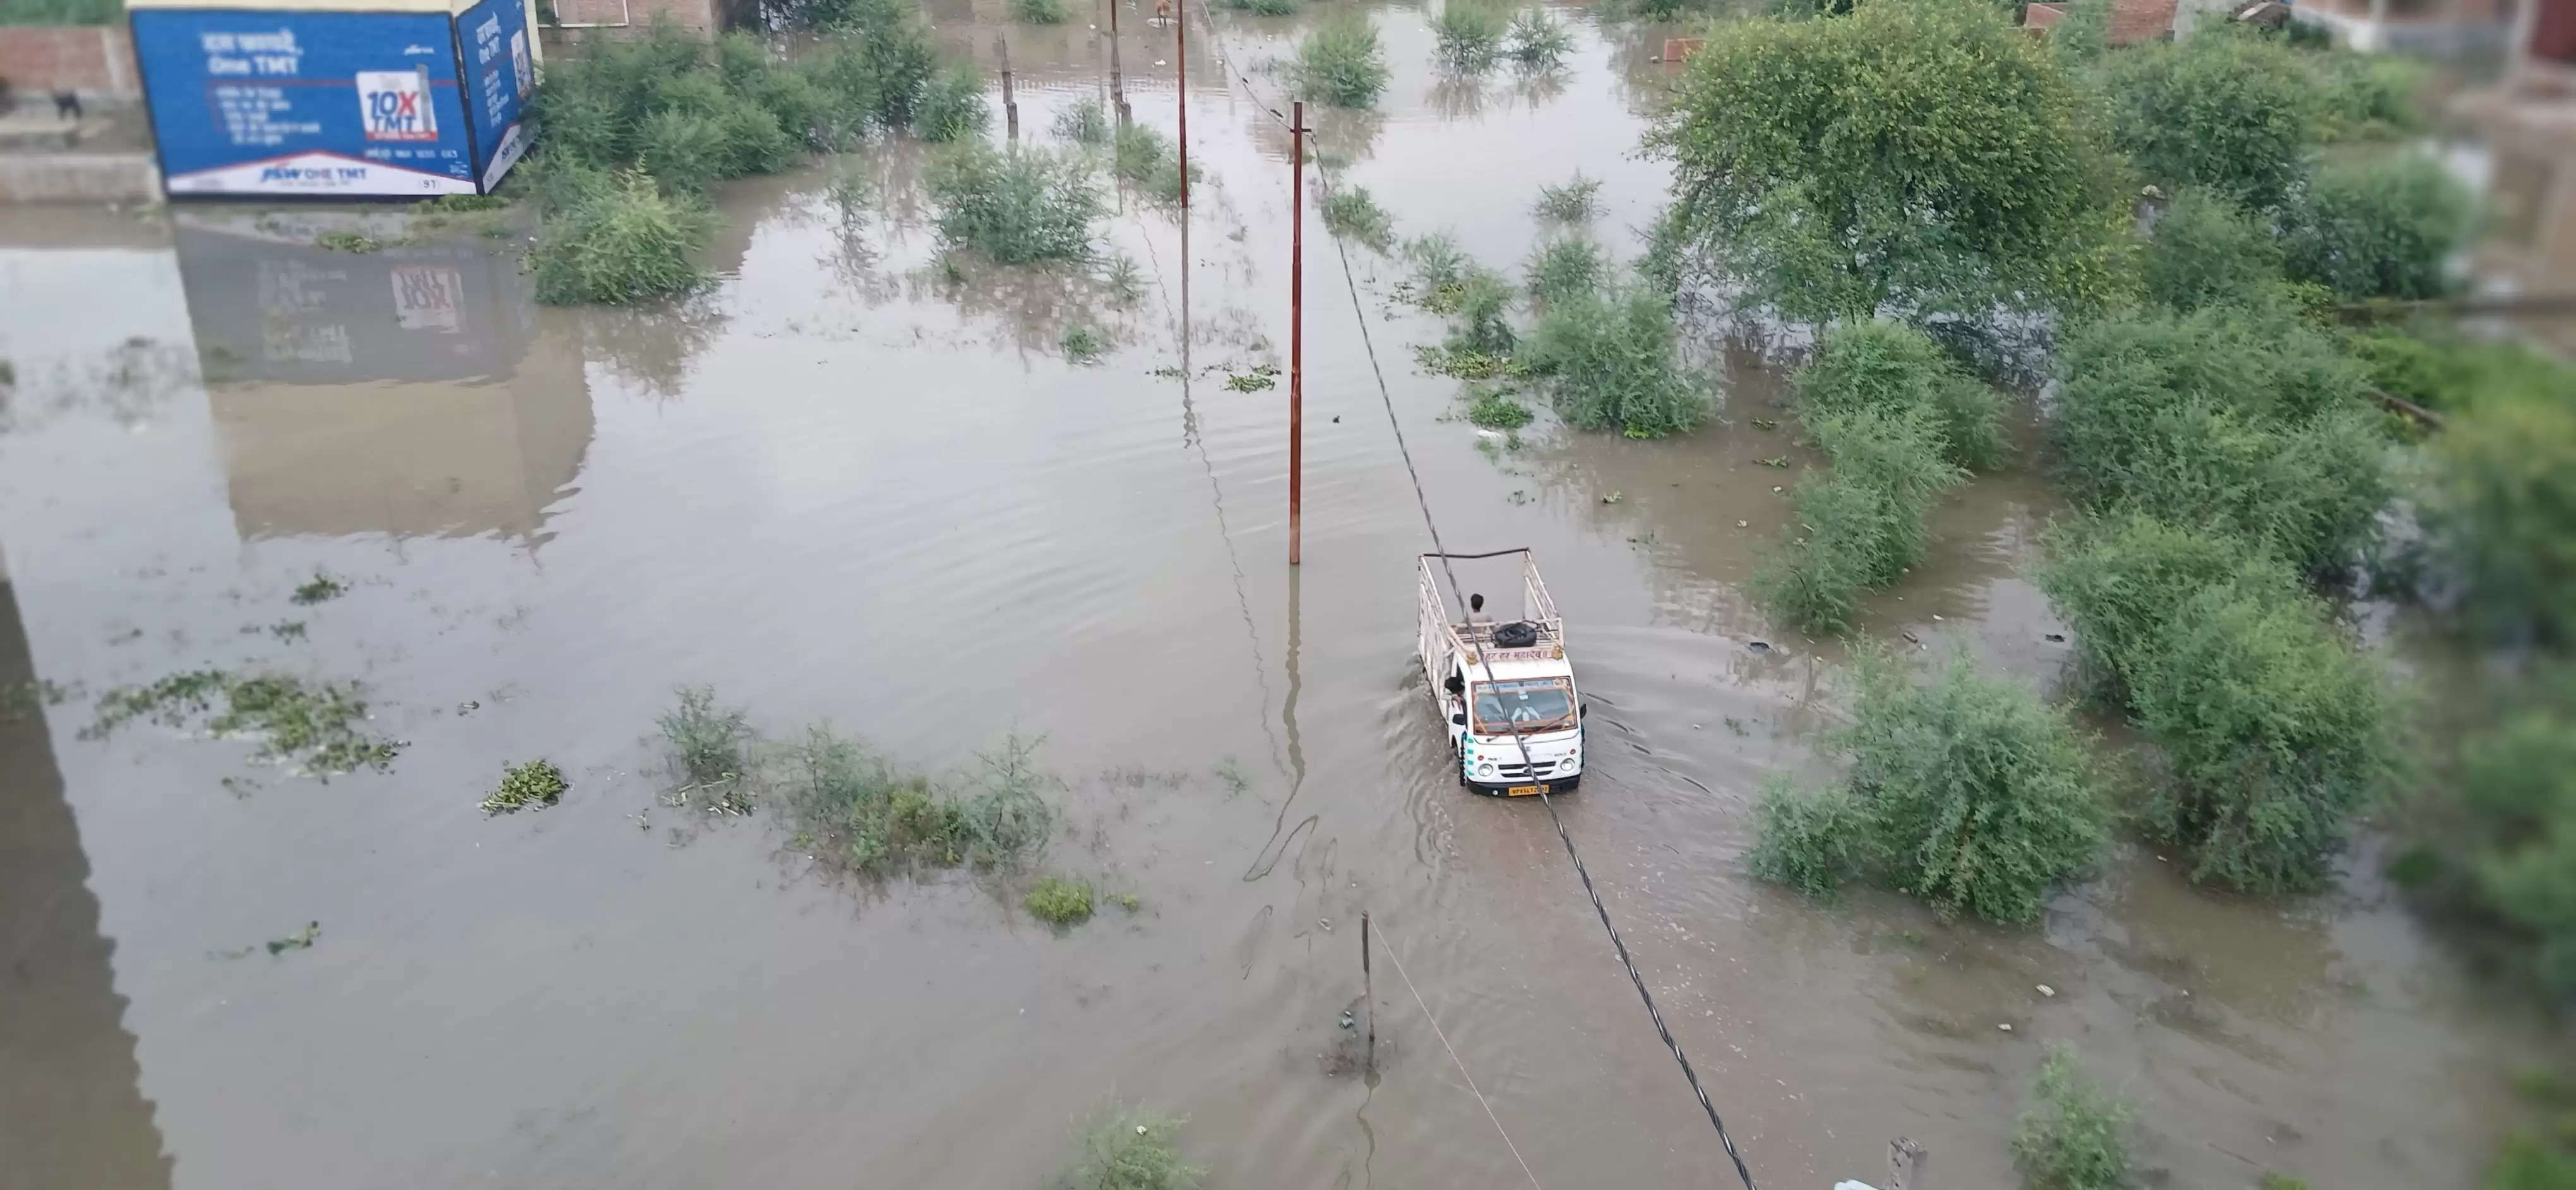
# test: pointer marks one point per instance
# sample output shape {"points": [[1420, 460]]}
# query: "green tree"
{"points": [[2381, 227], [2520, 781], [1914, 157], [2073, 1138], [1889, 366], [2230, 111], [2207, 251], [2501, 504]]}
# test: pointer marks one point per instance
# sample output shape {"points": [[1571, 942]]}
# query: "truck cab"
{"points": [[1502, 682]]}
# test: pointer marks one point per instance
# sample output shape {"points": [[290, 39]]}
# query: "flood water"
{"points": [[845, 488]]}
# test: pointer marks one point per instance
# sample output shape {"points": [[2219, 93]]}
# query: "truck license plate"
{"points": [[1524, 790]]}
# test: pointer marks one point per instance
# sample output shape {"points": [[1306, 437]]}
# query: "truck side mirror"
{"points": [[1460, 718], [1583, 710]]}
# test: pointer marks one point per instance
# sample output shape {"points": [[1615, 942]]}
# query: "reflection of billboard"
{"points": [[269, 305]]}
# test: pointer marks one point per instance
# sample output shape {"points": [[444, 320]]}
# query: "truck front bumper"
{"points": [[1525, 788]]}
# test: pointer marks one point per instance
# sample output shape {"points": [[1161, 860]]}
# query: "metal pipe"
{"points": [[1181, 97], [1296, 334]]}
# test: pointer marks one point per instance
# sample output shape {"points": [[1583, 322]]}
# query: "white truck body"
{"points": [[1498, 698]]}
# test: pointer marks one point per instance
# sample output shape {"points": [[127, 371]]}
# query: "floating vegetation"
{"points": [[1482, 316], [1124, 1149], [1537, 41], [302, 939], [287, 630], [860, 813], [536, 783], [461, 204], [1083, 345], [294, 722], [1261, 8], [28, 697], [1577, 201], [1261, 378], [320, 588], [1494, 409], [1764, 423], [1351, 212], [1340, 62], [1781, 461], [1467, 363], [1086, 122], [1062, 901], [1229, 773], [343, 240]]}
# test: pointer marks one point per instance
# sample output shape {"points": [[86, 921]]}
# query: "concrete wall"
{"points": [[79, 177], [579, 20], [95, 60]]}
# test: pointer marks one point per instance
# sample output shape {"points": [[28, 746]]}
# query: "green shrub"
{"points": [[1350, 212], [1892, 367], [2440, 368], [1038, 12], [61, 12], [1537, 41], [1439, 267], [1481, 309], [1469, 34], [1610, 363], [2073, 1137], [2233, 113], [2519, 780], [2383, 227], [1811, 840], [1062, 901], [861, 813], [2274, 729], [1982, 799], [877, 67], [1577, 201], [952, 106], [2080, 38], [2119, 582], [1261, 8], [1128, 1150], [2501, 502], [536, 783], [345, 240], [1016, 206], [712, 745], [2530, 1163], [619, 241], [1084, 122], [1494, 409], [2248, 422], [688, 111], [1340, 62], [1147, 160], [1082, 344], [2367, 96], [2207, 252], [1567, 267], [1860, 525]]}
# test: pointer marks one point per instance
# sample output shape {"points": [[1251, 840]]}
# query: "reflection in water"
{"points": [[405, 391], [71, 1112]]}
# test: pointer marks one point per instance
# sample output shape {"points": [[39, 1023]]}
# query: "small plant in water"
{"points": [[1567, 267], [1124, 1149], [1062, 901], [1145, 159], [617, 240], [1261, 378], [1086, 122], [1083, 345], [536, 783], [1038, 12], [1340, 62], [712, 744], [1470, 34], [306, 724], [1577, 201], [2071, 1138], [1494, 409], [1352, 212], [343, 240], [1537, 41], [1016, 206], [1125, 281], [1439, 266], [319, 589]]}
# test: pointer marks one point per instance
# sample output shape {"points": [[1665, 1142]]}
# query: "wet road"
{"points": [[843, 488]]}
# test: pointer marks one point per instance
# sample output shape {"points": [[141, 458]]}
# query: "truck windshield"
{"points": [[1536, 704]]}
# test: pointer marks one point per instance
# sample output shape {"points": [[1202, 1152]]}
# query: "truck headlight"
{"points": [[1486, 769]]}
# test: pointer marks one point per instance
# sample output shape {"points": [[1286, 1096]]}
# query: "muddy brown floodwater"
{"points": [[844, 488]]}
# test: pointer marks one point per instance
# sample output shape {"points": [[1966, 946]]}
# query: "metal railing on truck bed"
{"points": [[1471, 639]]}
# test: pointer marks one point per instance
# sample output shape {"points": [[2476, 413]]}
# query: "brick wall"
{"points": [[95, 60], [2134, 21], [583, 19]]}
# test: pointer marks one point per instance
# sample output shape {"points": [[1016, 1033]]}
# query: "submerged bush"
{"points": [[1610, 363], [618, 241], [952, 106], [2233, 113], [1124, 1149], [2500, 500], [1147, 160], [2367, 96], [1340, 62], [2250, 423], [1438, 265], [1038, 12], [1494, 409], [712, 744], [2383, 227], [1085, 122], [536, 783], [1469, 34], [1892, 367], [1062, 901], [1537, 41], [2073, 1137], [1860, 525], [1261, 8], [2519, 782], [2207, 251], [1576, 201], [1566, 267], [1964, 791], [1016, 206], [1480, 312], [1352, 213], [862, 813], [2119, 582]]}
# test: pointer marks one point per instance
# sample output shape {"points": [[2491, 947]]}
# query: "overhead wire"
{"points": [[1484, 659]]}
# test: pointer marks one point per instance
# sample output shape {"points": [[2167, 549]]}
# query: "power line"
{"points": [[1485, 661], [1454, 1060]]}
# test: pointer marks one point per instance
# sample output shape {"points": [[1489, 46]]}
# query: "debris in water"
{"points": [[468, 708], [1742, 524], [294, 721], [2046, 990], [536, 783], [1260, 379], [1615, 497], [1764, 423], [1758, 646], [2006, 1027], [1348, 1020], [2058, 637], [320, 588], [1774, 461], [302, 939]]}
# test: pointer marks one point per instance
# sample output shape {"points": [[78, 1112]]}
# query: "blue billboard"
{"points": [[499, 74], [330, 104]]}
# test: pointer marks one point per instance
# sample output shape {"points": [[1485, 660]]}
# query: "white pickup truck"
{"points": [[1503, 683]]}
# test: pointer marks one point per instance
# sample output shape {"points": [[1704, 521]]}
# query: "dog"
{"points": [[67, 105]]}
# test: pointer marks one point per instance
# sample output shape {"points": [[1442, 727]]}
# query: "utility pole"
{"points": [[1117, 87], [1010, 101], [1181, 94], [1296, 333]]}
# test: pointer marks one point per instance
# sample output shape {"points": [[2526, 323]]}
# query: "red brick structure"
{"points": [[2132, 21], [95, 60]]}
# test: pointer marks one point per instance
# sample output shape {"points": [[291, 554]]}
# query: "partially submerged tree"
{"points": [[1915, 157], [2228, 110], [2378, 227], [2208, 251]]}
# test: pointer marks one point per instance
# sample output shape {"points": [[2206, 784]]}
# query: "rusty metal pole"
{"points": [[1368, 992], [1297, 334], [1117, 86], [1181, 94], [1010, 100]]}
